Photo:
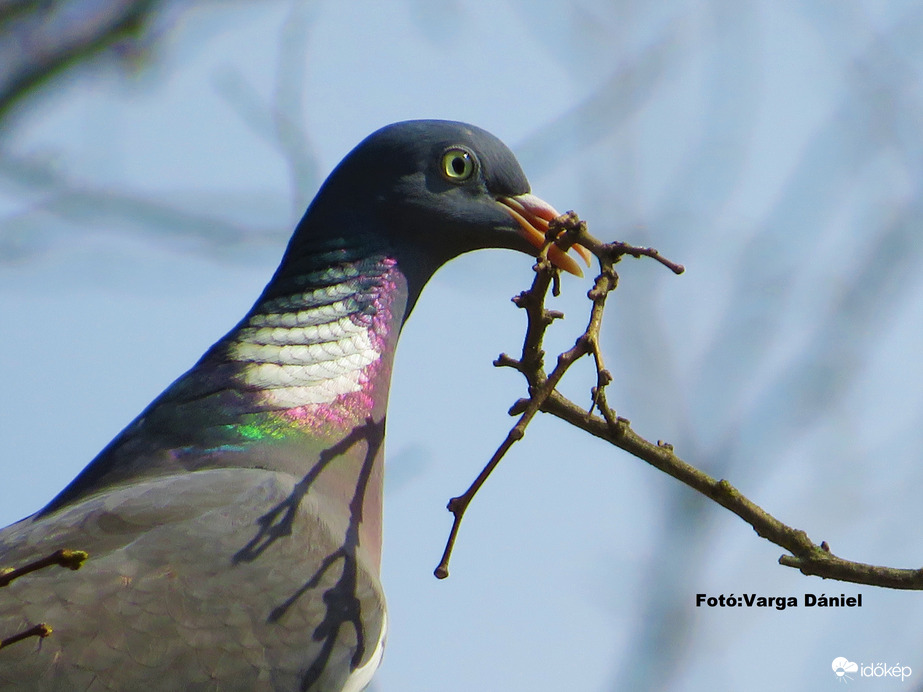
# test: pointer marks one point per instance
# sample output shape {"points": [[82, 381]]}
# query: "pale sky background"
{"points": [[774, 148]]}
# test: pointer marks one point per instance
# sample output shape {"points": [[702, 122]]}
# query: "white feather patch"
{"points": [[312, 334], [357, 344], [295, 317], [360, 678]]}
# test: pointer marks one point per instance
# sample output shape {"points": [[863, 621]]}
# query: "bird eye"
{"points": [[458, 164]]}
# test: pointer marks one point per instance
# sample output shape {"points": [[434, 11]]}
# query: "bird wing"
{"points": [[196, 581]]}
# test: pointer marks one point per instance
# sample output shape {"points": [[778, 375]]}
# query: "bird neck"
{"points": [[311, 367], [314, 355], [299, 386]]}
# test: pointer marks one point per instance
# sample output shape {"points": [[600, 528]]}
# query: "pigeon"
{"points": [[234, 527]]}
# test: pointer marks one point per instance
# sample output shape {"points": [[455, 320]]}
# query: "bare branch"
{"points": [[567, 230], [41, 39], [40, 630], [72, 559]]}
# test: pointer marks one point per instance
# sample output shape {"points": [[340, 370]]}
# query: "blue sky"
{"points": [[772, 148]]}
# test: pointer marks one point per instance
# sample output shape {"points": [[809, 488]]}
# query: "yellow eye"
{"points": [[457, 164]]}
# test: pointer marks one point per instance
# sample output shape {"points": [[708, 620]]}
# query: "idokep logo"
{"points": [[842, 667]]}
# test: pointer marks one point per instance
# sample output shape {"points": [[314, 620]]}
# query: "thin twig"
{"points": [[72, 559], [532, 357], [40, 630], [567, 230]]}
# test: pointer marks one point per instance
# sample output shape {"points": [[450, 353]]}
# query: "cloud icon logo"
{"points": [[841, 666]]}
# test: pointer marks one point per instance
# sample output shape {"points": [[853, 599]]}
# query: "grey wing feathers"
{"points": [[162, 603]]}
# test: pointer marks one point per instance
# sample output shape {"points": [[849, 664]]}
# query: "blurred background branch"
{"points": [[41, 39], [154, 157]]}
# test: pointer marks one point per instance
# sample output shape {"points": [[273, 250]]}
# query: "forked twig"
{"points": [[72, 559], [805, 555], [565, 231]]}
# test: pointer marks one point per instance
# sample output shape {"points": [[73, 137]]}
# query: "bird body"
{"points": [[234, 527]]}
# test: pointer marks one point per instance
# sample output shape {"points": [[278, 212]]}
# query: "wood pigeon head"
{"points": [[432, 190], [237, 519]]}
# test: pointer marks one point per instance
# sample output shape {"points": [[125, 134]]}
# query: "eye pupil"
{"points": [[458, 165]]}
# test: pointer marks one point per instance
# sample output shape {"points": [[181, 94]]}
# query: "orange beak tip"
{"points": [[533, 215], [585, 254], [564, 261]]}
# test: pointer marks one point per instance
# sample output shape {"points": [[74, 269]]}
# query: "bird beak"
{"points": [[533, 214]]}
